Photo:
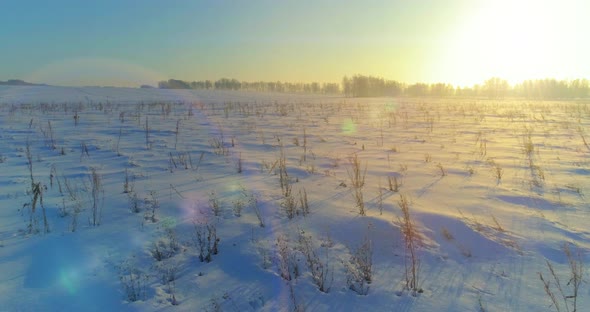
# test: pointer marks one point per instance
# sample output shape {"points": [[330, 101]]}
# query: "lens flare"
{"points": [[68, 279], [348, 127], [391, 106]]}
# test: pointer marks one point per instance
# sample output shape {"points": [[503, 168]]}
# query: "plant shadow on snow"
{"points": [[469, 242], [529, 202]]}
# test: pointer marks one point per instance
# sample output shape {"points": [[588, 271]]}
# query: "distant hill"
{"points": [[18, 82]]}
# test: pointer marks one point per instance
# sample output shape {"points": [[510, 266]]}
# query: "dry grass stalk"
{"points": [[412, 239], [357, 181], [567, 294]]}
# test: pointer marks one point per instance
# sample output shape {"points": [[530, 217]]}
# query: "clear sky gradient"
{"points": [[131, 42]]}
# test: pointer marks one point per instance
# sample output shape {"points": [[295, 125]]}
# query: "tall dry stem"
{"points": [[357, 180], [412, 239]]}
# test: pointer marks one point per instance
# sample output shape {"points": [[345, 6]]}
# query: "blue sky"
{"points": [[131, 42]]}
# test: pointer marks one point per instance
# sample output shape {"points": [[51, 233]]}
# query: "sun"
{"points": [[514, 40]]}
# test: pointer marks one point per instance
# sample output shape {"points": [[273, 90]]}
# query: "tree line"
{"points": [[260, 86], [18, 82], [371, 86]]}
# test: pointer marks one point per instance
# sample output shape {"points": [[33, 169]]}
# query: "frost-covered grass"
{"points": [[162, 200]]}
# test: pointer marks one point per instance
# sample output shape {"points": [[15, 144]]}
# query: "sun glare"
{"points": [[514, 40]]}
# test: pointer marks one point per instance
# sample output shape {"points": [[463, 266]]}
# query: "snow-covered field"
{"points": [[494, 191]]}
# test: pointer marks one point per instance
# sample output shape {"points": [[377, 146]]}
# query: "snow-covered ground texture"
{"points": [[173, 200]]}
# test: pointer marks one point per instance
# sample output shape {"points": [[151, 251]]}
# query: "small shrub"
{"points": [[168, 272], [133, 281], [320, 270], [498, 171], [206, 240], [166, 247], [214, 204], [151, 204], [285, 259], [238, 207], [134, 202], [304, 205], [442, 170], [253, 202], [128, 186], [393, 183], [218, 146], [359, 268], [289, 203]]}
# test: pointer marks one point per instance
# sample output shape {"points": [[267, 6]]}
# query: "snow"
{"points": [[496, 189]]}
